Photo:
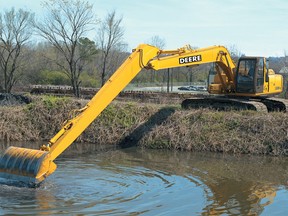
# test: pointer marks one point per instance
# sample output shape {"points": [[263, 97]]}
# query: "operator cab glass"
{"points": [[212, 74], [249, 79], [260, 76]]}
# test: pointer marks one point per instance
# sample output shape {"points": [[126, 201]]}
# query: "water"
{"points": [[152, 182]]}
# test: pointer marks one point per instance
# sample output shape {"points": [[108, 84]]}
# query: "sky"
{"points": [[254, 27]]}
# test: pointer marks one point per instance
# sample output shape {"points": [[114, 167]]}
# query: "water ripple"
{"points": [[147, 183]]}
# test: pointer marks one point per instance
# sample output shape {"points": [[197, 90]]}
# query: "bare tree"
{"points": [[284, 62], [110, 41], [235, 52], [160, 43], [63, 26], [157, 41], [15, 31], [282, 67]]}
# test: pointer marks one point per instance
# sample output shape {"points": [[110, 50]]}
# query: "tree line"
{"points": [[56, 49], [64, 43]]}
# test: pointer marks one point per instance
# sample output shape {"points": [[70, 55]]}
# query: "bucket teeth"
{"points": [[28, 165]]}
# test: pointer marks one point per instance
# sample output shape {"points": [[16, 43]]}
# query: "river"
{"points": [[134, 181]]}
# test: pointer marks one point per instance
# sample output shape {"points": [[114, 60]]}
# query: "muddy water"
{"points": [[152, 182]]}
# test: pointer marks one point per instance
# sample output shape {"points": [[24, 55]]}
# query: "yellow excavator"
{"points": [[251, 79]]}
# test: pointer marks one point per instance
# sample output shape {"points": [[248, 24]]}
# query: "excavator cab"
{"points": [[253, 77]]}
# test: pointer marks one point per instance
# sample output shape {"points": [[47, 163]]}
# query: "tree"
{"points": [[157, 41], [87, 49], [110, 41], [15, 31], [160, 43], [235, 52], [39, 55], [282, 67], [65, 23]]}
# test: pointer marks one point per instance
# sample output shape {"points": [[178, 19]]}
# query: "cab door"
{"points": [[246, 76], [260, 76]]}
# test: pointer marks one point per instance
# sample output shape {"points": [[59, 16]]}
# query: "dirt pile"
{"points": [[7, 99]]}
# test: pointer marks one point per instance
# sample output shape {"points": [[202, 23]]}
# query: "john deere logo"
{"points": [[190, 59]]}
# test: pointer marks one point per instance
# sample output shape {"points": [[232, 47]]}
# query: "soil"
{"points": [[8, 99]]}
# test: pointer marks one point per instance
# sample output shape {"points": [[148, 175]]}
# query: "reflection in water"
{"points": [[153, 182]]}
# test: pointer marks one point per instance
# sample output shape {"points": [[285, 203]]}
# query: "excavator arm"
{"points": [[187, 56], [33, 166]]}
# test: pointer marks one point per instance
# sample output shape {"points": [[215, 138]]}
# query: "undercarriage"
{"points": [[222, 103]]}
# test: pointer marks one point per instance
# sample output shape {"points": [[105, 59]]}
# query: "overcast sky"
{"points": [[255, 27]]}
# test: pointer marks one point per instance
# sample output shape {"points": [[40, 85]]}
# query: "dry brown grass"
{"points": [[36, 121], [231, 132], [15, 125]]}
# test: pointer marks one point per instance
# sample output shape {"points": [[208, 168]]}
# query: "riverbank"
{"points": [[151, 126]]}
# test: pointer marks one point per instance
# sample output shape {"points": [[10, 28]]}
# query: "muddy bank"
{"points": [[152, 126]]}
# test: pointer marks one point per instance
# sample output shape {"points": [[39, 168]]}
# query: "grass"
{"points": [[152, 126]]}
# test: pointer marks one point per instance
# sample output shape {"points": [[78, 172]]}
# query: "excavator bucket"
{"points": [[26, 165]]}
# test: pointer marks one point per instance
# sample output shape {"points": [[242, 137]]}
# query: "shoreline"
{"points": [[125, 124]]}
